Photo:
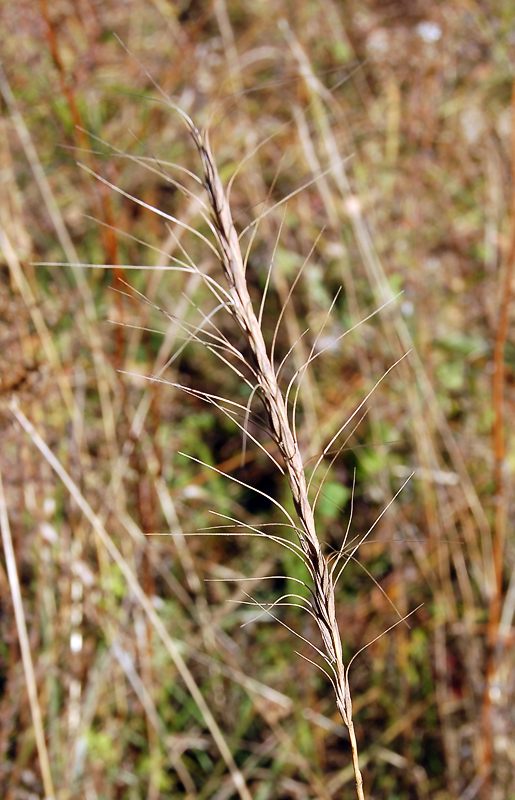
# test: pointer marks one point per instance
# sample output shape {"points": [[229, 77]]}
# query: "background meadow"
{"points": [[395, 120]]}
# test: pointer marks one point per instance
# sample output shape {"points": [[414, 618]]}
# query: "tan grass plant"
{"points": [[235, 299], [241, 308], [237, 302]]}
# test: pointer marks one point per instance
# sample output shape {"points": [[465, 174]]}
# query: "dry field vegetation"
{"points": [[145, 672]]}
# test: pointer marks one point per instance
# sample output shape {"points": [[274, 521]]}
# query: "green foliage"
{"points": [[333, 500]]}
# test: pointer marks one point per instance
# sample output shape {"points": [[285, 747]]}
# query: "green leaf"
{"points": [[333, 499]]}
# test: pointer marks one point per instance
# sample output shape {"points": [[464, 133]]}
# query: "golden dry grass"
{"points": [[397, 118]]}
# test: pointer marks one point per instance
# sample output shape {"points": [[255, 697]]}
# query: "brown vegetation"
{"points": [[146, 672]]}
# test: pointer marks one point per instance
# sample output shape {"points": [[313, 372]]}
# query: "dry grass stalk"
{"points": [[241, 309], [135, 586], [23, 637]]}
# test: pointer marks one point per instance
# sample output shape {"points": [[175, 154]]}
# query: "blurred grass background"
{"points": [[399, 117]]}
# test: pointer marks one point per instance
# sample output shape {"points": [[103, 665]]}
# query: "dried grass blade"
{"points": [[28, 667], [142, 598]]}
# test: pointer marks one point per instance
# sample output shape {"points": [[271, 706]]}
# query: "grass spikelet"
{"points": [[240, 307]]}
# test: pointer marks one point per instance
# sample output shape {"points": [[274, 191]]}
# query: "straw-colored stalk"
{"points": [[241, 309], [23, 638]]}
